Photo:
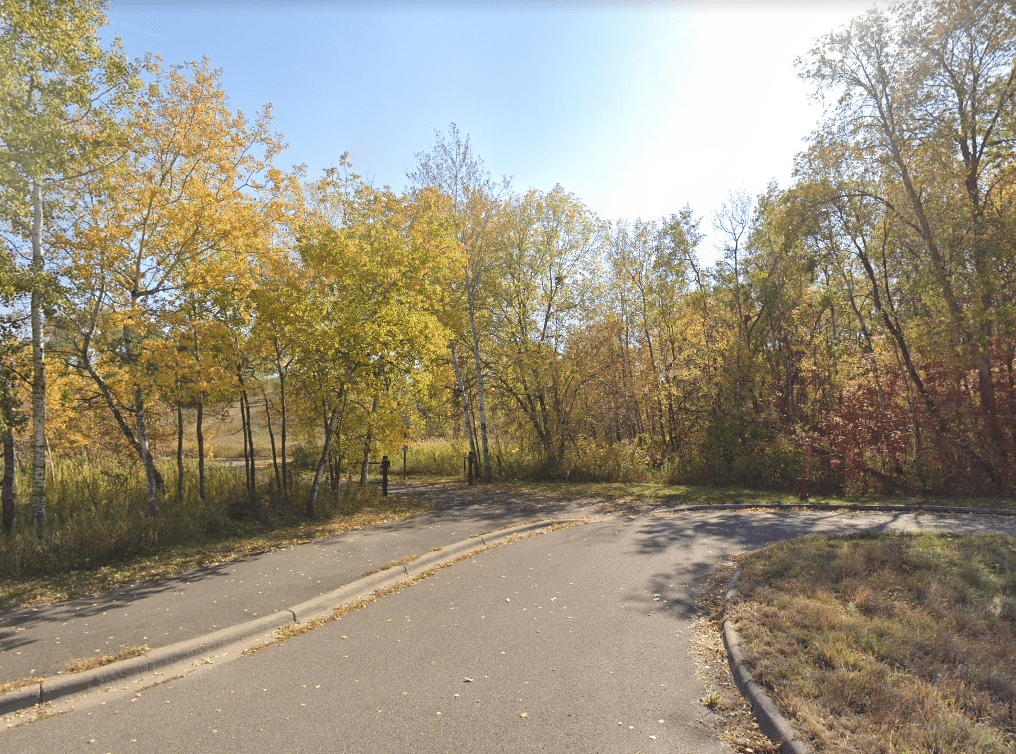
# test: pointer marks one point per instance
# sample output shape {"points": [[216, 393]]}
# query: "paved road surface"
{"points": [[576, 640], [41, 641]]}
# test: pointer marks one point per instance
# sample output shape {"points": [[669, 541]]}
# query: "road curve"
{"points": [[575, 640]]}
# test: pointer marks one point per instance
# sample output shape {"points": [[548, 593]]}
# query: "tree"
{"points": [[362, 312], [546, 290], [59, 91], [188, 206], [924, 122], [453, 169]]}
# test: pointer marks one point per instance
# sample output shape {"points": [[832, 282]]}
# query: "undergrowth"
{"points": [[99, 534]]}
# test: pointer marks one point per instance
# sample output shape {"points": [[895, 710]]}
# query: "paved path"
{"points": [[42, 641], [584, 631]]}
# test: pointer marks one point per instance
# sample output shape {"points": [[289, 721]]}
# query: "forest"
{"points": [[160, 266]]}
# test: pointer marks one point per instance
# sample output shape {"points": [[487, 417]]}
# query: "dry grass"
{"points": [[394, 564], [90, 663], [732, 719], [21, 683], [78, 666], [643, 497], [18, 591], [887, 642]]}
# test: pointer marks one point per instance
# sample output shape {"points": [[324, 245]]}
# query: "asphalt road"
{"points": [[43, 640], [576, 640]]}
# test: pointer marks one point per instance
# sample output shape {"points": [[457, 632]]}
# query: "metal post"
{"points": [[385, 463], [472, 461], [405, 450]]}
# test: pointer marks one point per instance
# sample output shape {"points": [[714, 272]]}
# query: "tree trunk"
{"points": [[152, 476], [248, 449], [367, 440], [7, 404], [286, 483], [10, 510], [479, 383], [275, 458], [320, 470], [462, 392], [38, 372], [250, 444], [199, 430], [179, 452]]}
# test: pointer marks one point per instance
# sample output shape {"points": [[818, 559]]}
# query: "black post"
{"points": [[385, 463], [472, 460], [405, 450]]}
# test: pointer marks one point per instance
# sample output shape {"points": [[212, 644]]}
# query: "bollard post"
{"points": [[472, 460], [385, 463], [802, 486]]}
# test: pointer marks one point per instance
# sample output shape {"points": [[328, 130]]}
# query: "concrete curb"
{"points": [[326, 603], [770, 719], [854, 508], [59, 687]]}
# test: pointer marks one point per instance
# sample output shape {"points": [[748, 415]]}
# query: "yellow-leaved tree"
{"points": [[357, 310], [188, 207]]}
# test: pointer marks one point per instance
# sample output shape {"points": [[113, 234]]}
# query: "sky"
{"points": [[637, 108]]}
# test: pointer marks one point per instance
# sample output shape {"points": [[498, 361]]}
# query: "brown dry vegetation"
{"points": [[732, 720], [243, 539], [887, 642]]}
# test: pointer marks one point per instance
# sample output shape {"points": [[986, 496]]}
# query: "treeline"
{"points": [[159, 264], [859, 326]]}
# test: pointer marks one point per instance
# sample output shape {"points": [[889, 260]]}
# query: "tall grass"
{"points": [[97, 513], [432, 458], [587, 461]]}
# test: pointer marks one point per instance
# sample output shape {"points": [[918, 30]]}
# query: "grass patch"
{"points": [[887, 642], [239, 539], [91, 663]]}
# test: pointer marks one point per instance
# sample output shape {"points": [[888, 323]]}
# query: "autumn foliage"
{"points": [[862, 317]]}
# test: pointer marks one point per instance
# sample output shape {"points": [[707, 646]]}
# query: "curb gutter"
{"points": [[772, 721], [59, 687]]}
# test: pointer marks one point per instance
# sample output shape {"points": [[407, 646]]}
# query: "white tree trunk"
{"points": [[152, 477], [38, 372], [479, 383], [465, 405]]}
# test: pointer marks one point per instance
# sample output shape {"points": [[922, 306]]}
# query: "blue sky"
{"points": [[637, 108]]}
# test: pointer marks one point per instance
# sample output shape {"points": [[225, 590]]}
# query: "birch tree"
{"points": [[59, 90]]}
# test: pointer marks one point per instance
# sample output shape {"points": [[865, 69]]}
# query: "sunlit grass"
{"points": [[100, 536], [641, 494], [887, 642]]}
